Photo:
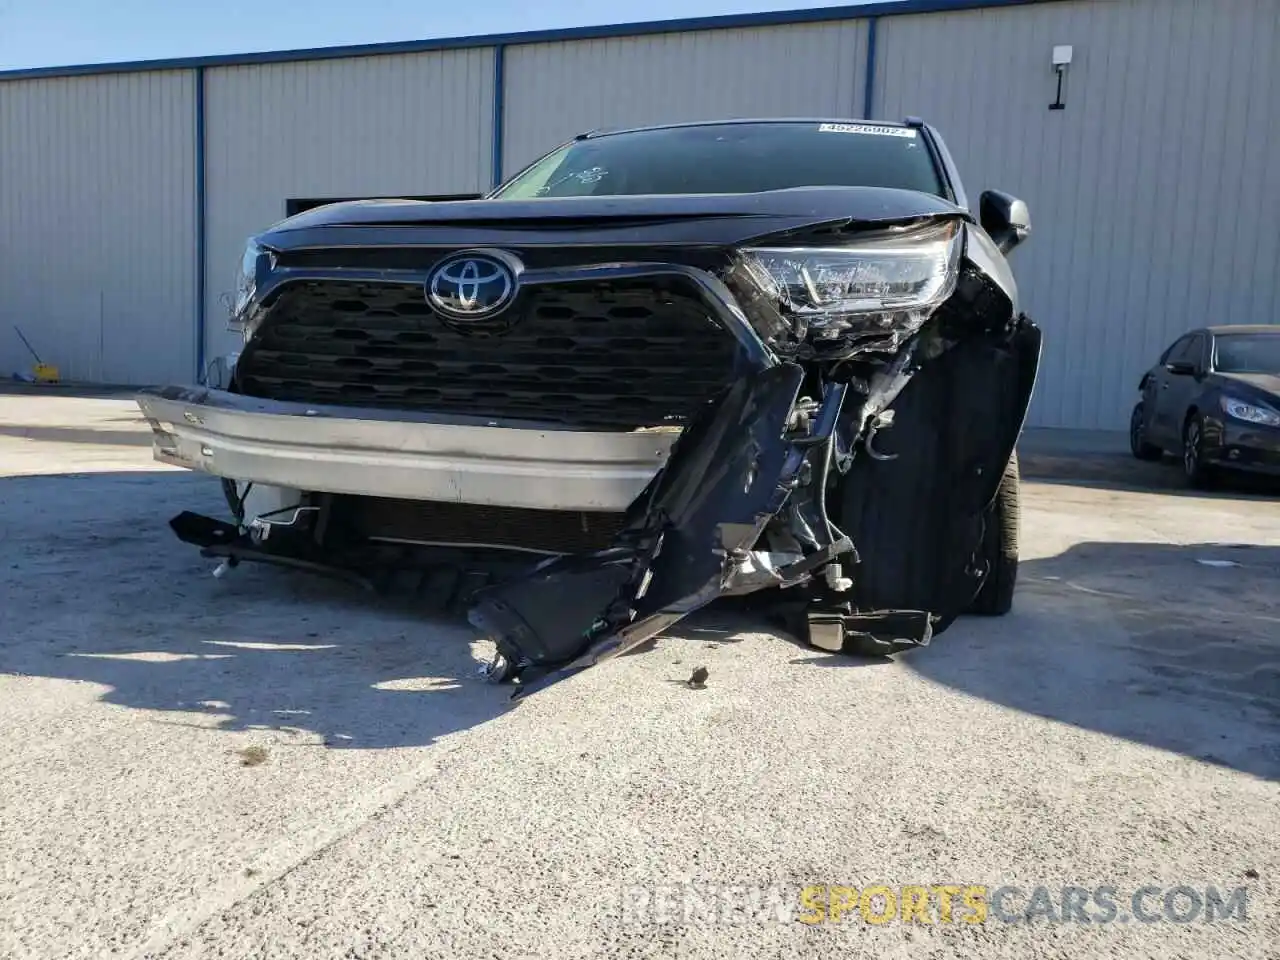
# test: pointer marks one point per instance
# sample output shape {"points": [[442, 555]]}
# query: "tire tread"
{"points": [[1000, 546]]}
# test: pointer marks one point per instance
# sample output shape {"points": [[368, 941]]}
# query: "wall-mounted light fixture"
{"points": [[1061, 60]]}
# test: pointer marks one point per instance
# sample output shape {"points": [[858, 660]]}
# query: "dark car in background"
{"points": [[1213, 399]]}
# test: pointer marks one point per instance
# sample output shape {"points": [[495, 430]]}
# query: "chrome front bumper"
{"points": [[381, 453]]}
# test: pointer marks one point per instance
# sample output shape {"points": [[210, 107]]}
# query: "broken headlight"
{"points": [[879, 284], [256, 261]]}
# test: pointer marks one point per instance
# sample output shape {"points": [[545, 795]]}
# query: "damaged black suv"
{"points": [[657, 367]]}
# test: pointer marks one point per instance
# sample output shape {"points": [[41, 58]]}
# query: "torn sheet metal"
{"points": [[689, 539]]}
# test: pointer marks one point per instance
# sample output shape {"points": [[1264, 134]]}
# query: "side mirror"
{"points": [[1006, 219], [1181, 368]]}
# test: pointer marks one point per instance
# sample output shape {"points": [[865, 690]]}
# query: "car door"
{"points": [[1150, 387], [1178, 389], [1160, 414]]}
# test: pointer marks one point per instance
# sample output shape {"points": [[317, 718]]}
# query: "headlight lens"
{"points": [[887, 283], [255, 259], [1250, 413]]}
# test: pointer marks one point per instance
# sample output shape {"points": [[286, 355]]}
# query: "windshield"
{"points": [[1247, 353], [732, 158]]}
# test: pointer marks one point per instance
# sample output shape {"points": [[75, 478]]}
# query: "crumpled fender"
{"points": [[917, 518], [689, 538]]}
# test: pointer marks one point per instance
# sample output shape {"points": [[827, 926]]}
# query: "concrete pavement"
{"points": [[272, 766]]}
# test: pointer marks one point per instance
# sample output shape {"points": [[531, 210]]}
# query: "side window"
{"points": [[1175, 352], [1193, 352]]}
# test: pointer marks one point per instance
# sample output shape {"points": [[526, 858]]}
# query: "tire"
{"points": [[1137, 438], [1199, 475], [1000, 546]]}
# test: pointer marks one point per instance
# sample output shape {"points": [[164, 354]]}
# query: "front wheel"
{"points": [[1198, 473], [999, 549], [1138, 437]]}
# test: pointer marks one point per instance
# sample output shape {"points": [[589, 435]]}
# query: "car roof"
{"points": [[609, 132], [1245, 328]]}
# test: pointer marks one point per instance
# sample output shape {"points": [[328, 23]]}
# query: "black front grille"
{"points": [[616, 355]]}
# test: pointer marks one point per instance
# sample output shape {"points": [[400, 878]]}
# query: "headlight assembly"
{"points": [[256, 261], [1250, 413], [880, 284]]}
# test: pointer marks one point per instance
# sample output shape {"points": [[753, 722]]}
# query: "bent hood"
{"points": [[661, 219]]}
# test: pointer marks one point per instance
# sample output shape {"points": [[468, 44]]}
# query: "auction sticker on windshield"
{"points": [[870, 128]]}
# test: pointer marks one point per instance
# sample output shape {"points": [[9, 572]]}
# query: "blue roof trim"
{"points": [[869, 77], [202, 229], [727, 22], [498, 115]]}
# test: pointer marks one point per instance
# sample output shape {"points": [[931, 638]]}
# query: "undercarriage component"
{"points": [[533, 532], [881, 421], [438, 580], [218, 539], [871, 633]]}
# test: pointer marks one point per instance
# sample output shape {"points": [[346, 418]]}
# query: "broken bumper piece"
{"points": [[398, 455], [880, 633], [707, 526]]}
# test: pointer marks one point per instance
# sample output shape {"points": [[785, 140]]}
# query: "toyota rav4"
{"points": [[655, 368]]}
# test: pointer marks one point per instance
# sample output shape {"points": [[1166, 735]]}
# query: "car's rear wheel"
{"points": [[1000, 546], [1198, 473], [1138, 436]]}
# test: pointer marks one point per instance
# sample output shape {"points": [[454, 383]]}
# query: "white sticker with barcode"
{"points": [[868, 128]]}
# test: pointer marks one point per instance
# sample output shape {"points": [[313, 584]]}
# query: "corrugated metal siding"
{"points": [[557, 90], [1155, 195], [417, 124], [97, 225]]}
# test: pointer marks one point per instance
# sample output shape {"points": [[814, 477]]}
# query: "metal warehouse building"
{"points": [[127, 190]]}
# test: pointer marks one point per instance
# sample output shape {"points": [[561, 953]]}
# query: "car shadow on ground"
{"points": [[1121, 471], [1146, 642], [68, 390], [115, 438], [95, 588], [392, 682], [1135, 640]]}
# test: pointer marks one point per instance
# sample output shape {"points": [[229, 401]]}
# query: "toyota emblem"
{"points": [[472, 286]]}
